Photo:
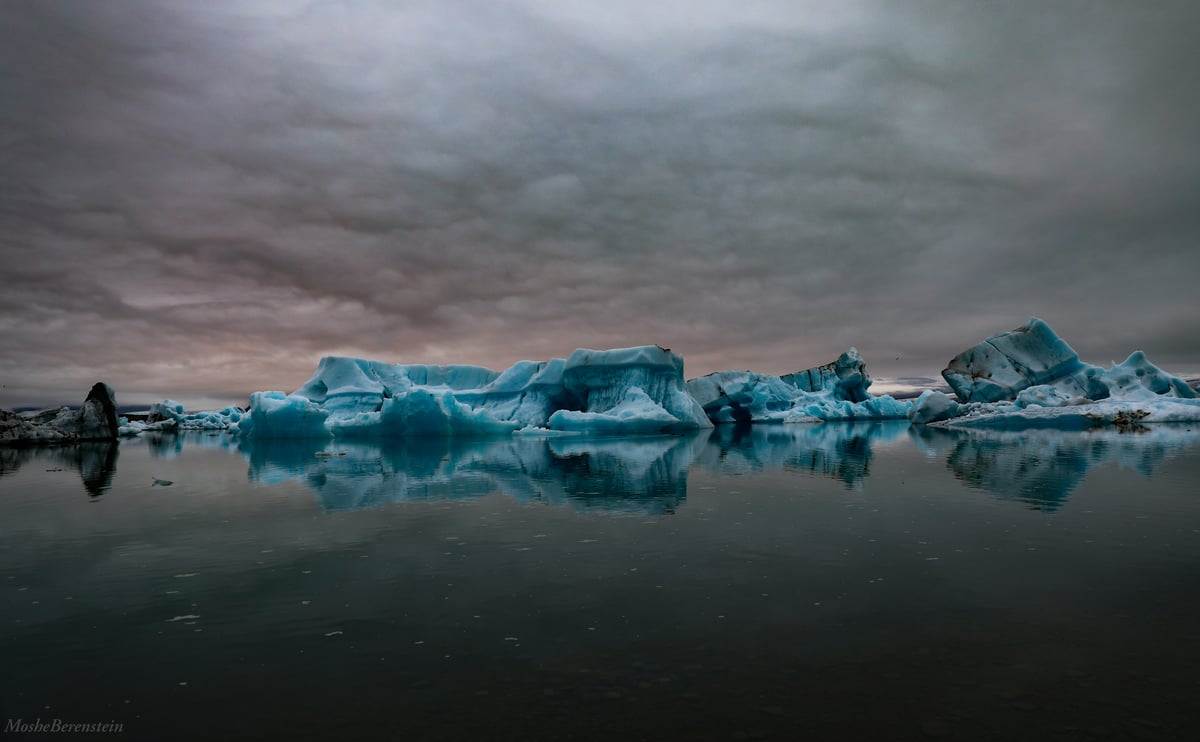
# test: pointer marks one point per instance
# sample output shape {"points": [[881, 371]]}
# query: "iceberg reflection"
{"points": [[1043, 467], [96, 461], [838, 450], [642, 475]]}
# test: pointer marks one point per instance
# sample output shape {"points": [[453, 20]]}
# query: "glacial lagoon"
{"points": [[830, 581]]}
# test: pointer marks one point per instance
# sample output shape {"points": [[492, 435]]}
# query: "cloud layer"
{"points": [[200, 199]]}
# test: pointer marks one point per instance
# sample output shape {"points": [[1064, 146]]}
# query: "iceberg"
{"points": [[95, 420], [933, 406], [832, 392], [1004, 365], [170, 416], [624, 391], [1030, 378]]}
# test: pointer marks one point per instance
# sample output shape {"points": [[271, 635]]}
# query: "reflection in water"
{"points": [[841, 451], [628, 475], [642, 475], [171, 444], [637, 475], [96, 461], [218, 608], [1043, 467]]}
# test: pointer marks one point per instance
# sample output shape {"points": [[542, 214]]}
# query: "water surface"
{"points": [[832, 581]]}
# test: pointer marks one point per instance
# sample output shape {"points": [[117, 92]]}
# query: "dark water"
{"points": [[831, 582]]}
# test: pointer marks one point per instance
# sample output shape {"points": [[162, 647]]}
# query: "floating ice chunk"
{"points": [[834, 391], [933, 406], [165, 415], [131, 428]]}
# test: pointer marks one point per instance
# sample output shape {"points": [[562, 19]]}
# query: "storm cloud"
{"points": [[199, 200]]}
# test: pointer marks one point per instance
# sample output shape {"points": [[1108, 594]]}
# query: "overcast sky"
{"points": [[200, 199]]}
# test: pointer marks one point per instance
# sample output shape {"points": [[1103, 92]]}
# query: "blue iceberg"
{"points": [[612, 392], [1030, 378], [834, 391]]}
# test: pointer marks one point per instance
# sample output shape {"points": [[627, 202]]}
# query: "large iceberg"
{"points": [[624, 391], [1004, 365], [834, 391], [1030, 378]]}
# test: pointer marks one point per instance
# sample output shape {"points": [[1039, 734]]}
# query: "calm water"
{"points": [[795, 582]]}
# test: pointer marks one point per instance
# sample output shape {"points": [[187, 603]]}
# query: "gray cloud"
{"points": [[199, 200]]}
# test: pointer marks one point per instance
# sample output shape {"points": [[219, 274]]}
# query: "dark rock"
{"points": [[98, 416]]}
